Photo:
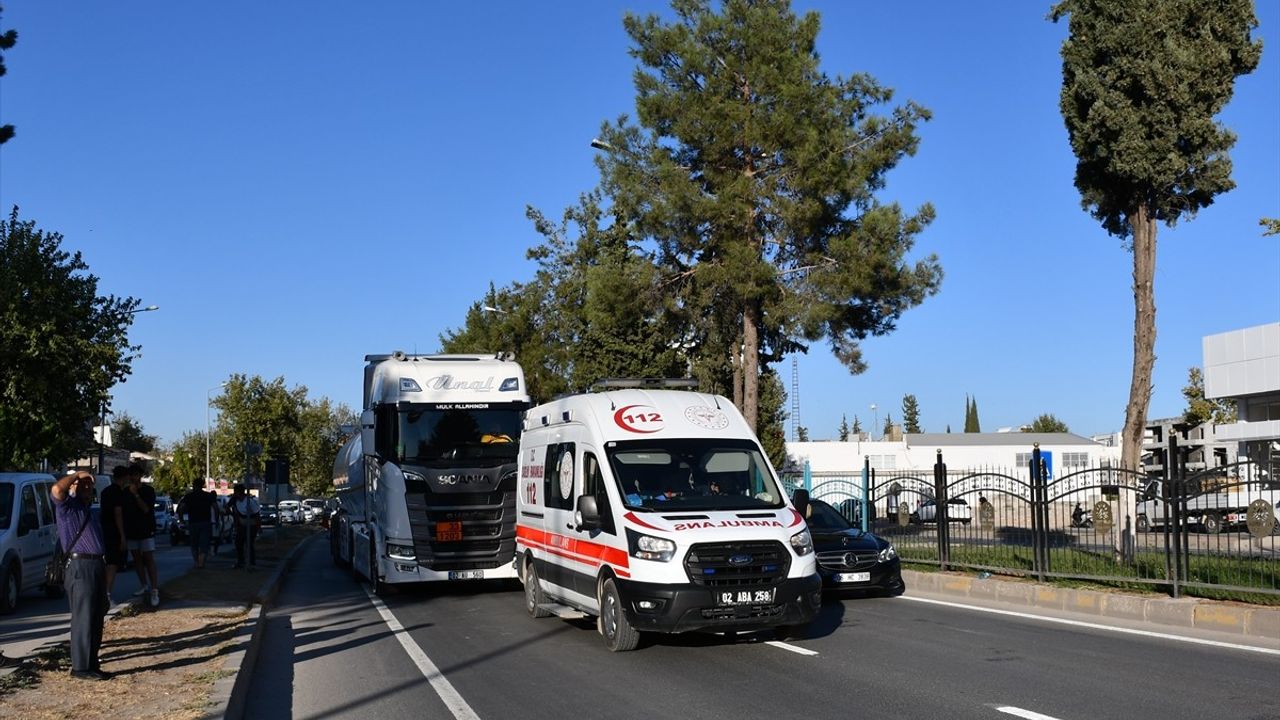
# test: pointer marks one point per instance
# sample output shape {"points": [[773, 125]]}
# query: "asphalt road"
{"points": [[329, 653], [39, 619]]}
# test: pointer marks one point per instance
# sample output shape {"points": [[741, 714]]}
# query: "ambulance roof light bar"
{"points": [[644, 383]]}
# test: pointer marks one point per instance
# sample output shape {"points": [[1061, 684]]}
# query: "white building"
{"points": [[1244, 366]]}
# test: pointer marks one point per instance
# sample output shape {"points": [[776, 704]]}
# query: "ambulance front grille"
{"points": [[733, 564]]}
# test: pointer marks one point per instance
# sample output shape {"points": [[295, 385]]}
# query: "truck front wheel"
{"points": [[1212, 523], [619, 635]]}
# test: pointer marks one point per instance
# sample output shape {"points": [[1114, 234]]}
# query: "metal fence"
{"points": [[1216, 529]]}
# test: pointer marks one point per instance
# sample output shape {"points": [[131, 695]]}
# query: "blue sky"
{"points": [[297, 184]]}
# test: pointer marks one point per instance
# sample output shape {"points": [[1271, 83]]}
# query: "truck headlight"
{"points": [[802, 543], [400, 552], [647, 547], [888, 554]]}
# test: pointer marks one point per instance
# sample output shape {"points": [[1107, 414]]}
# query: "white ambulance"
{"points": [[657, 510]]}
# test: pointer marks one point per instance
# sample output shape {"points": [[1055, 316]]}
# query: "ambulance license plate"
{"points": [[466, 574], [448, 531], [853, 577], [745, 597]]}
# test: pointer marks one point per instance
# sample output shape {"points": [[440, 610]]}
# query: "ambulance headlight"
{"points": [[647, 547], [802, 543]]}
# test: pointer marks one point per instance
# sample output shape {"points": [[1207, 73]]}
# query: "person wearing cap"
{"points": [[80, 532]]}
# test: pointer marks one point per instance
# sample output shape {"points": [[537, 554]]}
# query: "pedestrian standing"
{"points": [[110, 502], [80, 532], [140, 530], [247, 515], [201, 509]]}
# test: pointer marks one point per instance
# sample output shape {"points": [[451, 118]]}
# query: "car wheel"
{"points": [[1212, 523], [9, 588], [619, 635], [534, 597]]}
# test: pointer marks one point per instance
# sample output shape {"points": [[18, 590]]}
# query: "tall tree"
{"points": [[910, 414], [843, 431], [1141, 83], [756, 175], [1046, 423], [320, 437], [856, 430], [8, 39], [971, 423], [1201, 409], [127, 434], [257, 420], [888, 425], [62, 347], [182, 463], [802, 433]]}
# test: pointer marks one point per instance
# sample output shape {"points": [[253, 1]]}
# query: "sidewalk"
{"points": [[1251, 621]]}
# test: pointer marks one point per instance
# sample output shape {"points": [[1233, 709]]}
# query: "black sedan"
{"points": [[849, 559]]}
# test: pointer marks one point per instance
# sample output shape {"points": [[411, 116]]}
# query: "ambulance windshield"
{"points": [[693, 474], [447, 436]]}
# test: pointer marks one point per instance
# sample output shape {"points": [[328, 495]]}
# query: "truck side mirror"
{"points": [[800, 498], [587, 516], [366, 433]]}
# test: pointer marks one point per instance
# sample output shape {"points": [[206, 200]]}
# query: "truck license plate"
{"points": [[745, 597], [448, 531], [466, 574], [853, 577]]}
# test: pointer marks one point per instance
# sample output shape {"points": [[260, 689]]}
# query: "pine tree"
{"points": [[844, 428], [888, 425], [856, 430], [971, 424], [910, 414]]}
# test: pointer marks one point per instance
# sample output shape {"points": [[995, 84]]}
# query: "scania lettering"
{"points": [[655, 510], [426, 488]]}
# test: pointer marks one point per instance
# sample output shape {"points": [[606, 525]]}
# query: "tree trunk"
{"points": [[1143, 227], [1144, 338], [737, 371], [751, 364]]}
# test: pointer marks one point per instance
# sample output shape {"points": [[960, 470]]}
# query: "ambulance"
{"points": [[655, 510]]}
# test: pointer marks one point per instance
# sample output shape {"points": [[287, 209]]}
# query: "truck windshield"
{"points": [[692, 474], [439, 437]]}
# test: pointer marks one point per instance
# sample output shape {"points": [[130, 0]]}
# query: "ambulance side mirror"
{"points": [[588, 515], [800, 498]]}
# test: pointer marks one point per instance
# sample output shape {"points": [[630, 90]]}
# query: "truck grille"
{"points": [[737, 563], [488, 529]]}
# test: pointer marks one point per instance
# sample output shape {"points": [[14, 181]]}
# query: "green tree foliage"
{"points": [[843, 431], [1270, 226], [1141, 85], [8, 39], [888, 425], [1046, 423], [1201, 409], [802, 433], [755, 176], [857, 427], [62, 347], [182, 464], [127, 434], [282, 422], [971, 423], [910, 414]]}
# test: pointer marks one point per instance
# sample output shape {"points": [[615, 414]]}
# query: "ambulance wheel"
{"points": [[619, 635], [534, 598]]}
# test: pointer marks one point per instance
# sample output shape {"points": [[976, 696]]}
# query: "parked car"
{"points": [[166, 517], [957, 511], [849, 559], [312, 509], [269, 514], [290, 512], [28, 535]]}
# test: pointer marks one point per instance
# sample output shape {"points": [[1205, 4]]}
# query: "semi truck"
{"points": [[426, 488]]}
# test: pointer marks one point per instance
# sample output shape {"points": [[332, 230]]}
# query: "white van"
{"points": [[28, 534], [657, 510]]}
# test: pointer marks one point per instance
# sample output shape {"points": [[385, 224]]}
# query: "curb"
{"points": [[1197, 613], [230, 693]]}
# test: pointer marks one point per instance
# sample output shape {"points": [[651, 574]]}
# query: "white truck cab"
{"points": [[657, 510]]}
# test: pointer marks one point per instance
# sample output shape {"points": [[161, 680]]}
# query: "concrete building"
{"points": [[1244, 366]]}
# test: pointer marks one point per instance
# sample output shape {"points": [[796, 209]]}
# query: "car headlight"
{"points": [[802, 543], [888, 554], [400, 552], [647, 547]]}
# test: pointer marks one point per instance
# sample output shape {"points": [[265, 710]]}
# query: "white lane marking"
{"points": [[1019, 712], [792, 648], [452, 700], [1096, 626]]}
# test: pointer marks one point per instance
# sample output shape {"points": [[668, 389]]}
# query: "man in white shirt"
{"points": [[247, 515]]}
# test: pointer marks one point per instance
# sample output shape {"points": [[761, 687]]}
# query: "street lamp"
{"points": [[208, 434], [876, 422], [102, 428]]}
